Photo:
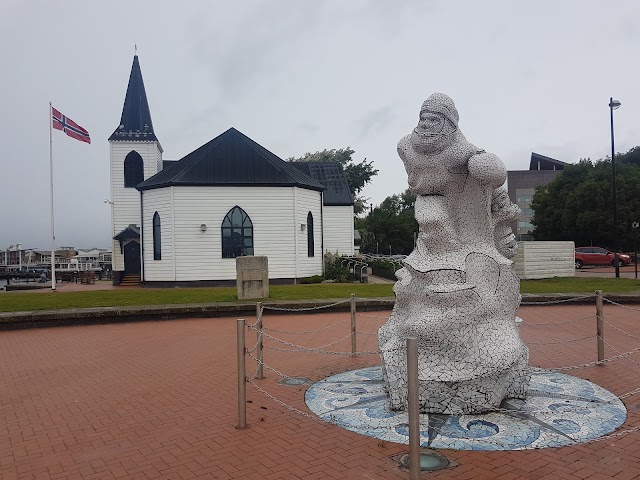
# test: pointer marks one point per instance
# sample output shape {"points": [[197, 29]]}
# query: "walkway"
{"points": [[158, 400]]}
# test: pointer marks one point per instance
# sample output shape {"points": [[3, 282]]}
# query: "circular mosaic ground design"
{"points": [[559, 410]]}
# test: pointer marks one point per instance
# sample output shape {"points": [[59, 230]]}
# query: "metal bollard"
{"points": [[259, 352], [599, 326], [353, 324], [413, 407], [242, 377]]}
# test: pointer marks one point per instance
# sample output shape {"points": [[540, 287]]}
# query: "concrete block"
{"points": [[252, 277]]}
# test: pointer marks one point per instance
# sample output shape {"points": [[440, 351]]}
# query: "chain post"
{"points": [[353, 324], [413, 407], [242, 376], [259, 352], [599, 326]]}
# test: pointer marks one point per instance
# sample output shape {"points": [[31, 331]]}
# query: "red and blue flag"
{"points": [[68, 126]]}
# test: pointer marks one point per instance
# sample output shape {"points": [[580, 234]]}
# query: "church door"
{"points": [[132, 257]]}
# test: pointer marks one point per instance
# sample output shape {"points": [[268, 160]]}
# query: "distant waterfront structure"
{"points": [[184, 222], [17, 259], [12, 258], [521, 185]]}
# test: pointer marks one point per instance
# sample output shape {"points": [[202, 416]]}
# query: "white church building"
{"points": [[184, 222]]}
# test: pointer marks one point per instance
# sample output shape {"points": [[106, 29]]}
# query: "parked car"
{"points": [[599, 256]]}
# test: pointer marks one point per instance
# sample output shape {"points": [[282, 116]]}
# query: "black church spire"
{"points": [[135, 123]]}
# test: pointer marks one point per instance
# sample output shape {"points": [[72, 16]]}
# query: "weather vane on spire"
{"points": [[135, 47]]}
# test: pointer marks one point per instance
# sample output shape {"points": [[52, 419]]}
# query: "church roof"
{"points": [[231, 158], [135, 122], [331, 175], [131, 231]]}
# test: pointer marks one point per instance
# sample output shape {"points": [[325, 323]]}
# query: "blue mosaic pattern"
{"points": [[559, 410]]}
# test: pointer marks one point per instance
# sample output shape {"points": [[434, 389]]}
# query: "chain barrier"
{"points": [[620, 330], [253, 348], [255, 374], [618, 351], [320, 349], [620, 304], [373, 316], [588, 317], [553, 302], [277, 372], [302, 348], [298, 332], [280, 402], [629, 394], [304, 309], [323, 352], [438, 430], [615, 435], [596, 362], [562, 341]]}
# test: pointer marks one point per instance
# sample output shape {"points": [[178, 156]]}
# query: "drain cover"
{"points": [[429, 461], [295, 381]]}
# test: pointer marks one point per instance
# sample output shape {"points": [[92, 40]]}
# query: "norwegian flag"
{"points": [[68, 126]]}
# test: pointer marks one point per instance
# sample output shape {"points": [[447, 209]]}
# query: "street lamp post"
{"points": [[613, 105]]}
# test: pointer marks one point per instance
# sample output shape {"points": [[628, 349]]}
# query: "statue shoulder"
{"points": [[404, 146], [487, 168]]}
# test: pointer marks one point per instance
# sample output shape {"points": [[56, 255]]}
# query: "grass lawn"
{"points": [[25, 301]]}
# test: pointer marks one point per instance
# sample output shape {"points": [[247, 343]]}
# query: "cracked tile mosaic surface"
{"points": [[457, 292], [559, 410]]}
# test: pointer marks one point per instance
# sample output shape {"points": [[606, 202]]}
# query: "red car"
{"points": [[599, 256]]}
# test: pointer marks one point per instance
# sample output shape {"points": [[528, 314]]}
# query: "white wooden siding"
{"points": [[545, 260], [158, 200], [198, 255], [125, 208], [308, 201], [338, 229]]}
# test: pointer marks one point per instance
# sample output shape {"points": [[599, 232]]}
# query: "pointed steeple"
{"points": [[135, 123]]}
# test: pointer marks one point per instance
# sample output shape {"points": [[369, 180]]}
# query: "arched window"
{"points": [[157, 249], [237, 234], [310, 246], [133, 169]]}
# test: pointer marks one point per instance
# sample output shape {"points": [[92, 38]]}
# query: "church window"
{"points": [[157, 249], [237, 234], [133, 169], [310, 245]]}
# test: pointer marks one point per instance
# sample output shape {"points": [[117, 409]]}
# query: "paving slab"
{"points": [[159, 400]]}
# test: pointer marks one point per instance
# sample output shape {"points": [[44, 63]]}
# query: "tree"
{"points": [[578, 204], [358, 174], [390, 227]]}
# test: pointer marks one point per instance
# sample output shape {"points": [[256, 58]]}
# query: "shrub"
{"points": [[313, 279], [333, 269]]}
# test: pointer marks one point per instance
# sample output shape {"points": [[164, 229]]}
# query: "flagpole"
{"points": [[53, 235]]}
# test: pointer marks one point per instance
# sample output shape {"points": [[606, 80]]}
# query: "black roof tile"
{"points": [[231, 158], [331, 175]]}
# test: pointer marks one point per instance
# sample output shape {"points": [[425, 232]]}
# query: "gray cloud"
{"points": [[300, 77]]}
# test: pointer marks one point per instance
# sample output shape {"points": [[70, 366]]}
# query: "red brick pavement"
{"points": [[158, 400]]}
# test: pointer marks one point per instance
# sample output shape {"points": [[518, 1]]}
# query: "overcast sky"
{"points": [[300, 76]]}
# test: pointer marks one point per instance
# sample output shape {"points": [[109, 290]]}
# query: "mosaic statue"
{"points": [[457, 292]]}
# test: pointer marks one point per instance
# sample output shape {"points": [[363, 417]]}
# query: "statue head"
{"points": [[437, 126]]}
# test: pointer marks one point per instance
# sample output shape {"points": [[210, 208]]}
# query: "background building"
{"points": [[521, 185]]}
